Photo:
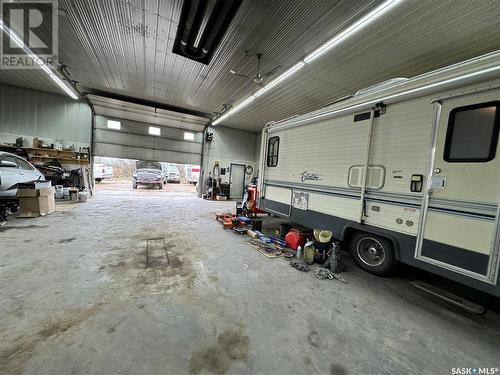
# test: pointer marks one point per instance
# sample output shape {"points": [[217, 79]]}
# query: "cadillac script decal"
{"points": [[310, 176]]}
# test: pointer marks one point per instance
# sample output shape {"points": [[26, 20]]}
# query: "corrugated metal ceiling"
{"points": [[125, 47]]}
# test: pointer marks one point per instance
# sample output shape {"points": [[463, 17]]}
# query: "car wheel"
{"points": [[372, 253], [134, 185], [160, 186]]}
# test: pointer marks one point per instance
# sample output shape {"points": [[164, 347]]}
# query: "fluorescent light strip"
{"points": [[221, 118], [365, 20], [251, 98], [44, 67], [280, 78], [244, 103]]}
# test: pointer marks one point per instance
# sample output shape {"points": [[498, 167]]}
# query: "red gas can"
{"points": [[294, 239]]}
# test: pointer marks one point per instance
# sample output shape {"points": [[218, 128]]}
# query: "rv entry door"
{"points": [[459, 226]]}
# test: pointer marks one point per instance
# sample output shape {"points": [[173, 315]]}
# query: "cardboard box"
{"points": [[36, 202], [42, 184]]}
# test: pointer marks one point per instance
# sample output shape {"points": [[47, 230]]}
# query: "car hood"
{"points": [[148, 170], [147, 165]]}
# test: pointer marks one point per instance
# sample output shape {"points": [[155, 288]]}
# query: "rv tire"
{"points": [[373, 253]]}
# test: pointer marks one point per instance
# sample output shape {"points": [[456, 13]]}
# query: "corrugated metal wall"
{"points": [[132, 141], [28, 113], [230, 146]]}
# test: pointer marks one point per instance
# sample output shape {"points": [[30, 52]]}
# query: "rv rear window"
{"points": [[472, 133], [273, 146]]}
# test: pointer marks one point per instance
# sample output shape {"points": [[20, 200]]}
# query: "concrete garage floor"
{"points": [[77, 299]]}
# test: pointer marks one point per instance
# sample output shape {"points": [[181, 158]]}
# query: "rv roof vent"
{"points": [[380, 86]]}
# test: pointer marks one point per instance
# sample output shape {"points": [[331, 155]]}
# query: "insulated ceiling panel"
{"points": [[125, 47]]}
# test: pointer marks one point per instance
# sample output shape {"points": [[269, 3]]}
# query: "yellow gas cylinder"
{"points": [[309, 251]]}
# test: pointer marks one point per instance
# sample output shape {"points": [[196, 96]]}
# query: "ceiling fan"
{"points": [[259, 77]]}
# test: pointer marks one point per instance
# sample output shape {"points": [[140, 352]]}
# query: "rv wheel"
{"points": [[373, 253]]}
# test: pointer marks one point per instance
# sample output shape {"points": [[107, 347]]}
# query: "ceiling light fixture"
{"points": [[244, 103], [67, 89], [280, 78], [337, 39], [358, 25]]}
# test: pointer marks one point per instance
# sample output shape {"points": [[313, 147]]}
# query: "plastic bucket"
{"points": [[83, 196]]}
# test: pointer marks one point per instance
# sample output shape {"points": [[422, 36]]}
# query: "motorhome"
{"points": [[404, 171]]}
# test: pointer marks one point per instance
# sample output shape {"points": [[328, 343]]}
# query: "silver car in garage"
{"points": [[149, 173], [15, 170]]}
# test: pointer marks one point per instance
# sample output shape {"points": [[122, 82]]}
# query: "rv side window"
{"points": [[375, 180], [472, 133], [272, 151]]}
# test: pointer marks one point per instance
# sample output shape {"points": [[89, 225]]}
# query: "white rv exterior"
{"points": [[431, 195]]}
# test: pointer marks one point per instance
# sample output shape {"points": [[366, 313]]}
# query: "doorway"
{"points": [[236, 181]]}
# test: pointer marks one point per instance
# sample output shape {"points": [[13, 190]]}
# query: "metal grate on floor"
{"points": [[157, 253]]}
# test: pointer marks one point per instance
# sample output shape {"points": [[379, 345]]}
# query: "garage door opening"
{"points": [[131, 176]]}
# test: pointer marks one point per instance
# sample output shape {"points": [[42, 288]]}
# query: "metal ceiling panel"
{"points": [[418, 37], [125, 47]]}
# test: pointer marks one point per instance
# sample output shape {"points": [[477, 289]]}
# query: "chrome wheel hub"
{"points": [[370, 251]]}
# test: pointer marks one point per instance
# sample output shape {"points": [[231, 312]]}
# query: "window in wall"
{"points": [[153, 130], [188, 136], [273, 146], [116, 125], [472, 133]]}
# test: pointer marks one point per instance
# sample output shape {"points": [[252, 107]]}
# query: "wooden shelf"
{"points": [[63, 156], [54, 150], [69, 160]]}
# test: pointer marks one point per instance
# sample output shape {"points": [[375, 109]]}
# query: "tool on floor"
{"points": [[334, 261], [300, 265], [229, 220], [240, 230], [263, 237], [324, 273], [252, 233]]}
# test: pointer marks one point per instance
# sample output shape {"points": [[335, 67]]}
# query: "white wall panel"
{"points": [[231, 146], [28, 113]]}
